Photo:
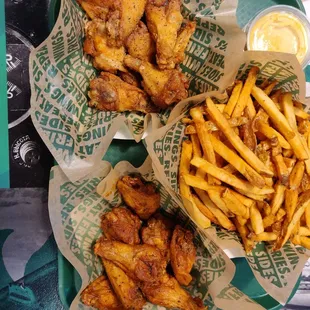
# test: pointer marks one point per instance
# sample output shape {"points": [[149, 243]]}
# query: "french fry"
{"points": [[244, 200], [204, 210], [288, 153], [190, 129], [251, 108], [242, 221], [253, 196], [256, 220], [298, 104], [288, 109], [281, 168], [235, 140], [271, 133], [229, 178], [264, 84], [301, 113], [234, 205], [305, 242], [280, 214], [186, 120], [220, 107], [291, 199], [276, 227], [303, 231], [184, 168], [230, 168], [269, 220], [246, 170], [204, 138], [230, 106], [245, 92], [264, 236], [296, 175], [244, 232], [275, 96], [196, 145], [223, 220], [278, 198], [290, 163], [269, 88], [216, 198], [247, 132], [307, 214], [303, 202]]}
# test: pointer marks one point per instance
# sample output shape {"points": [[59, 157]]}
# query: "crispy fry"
{"points": [[234, 139], [288, 153], [305, 242], [275, 96], [301, 113], [282, 170], [278, 198], [290, 163], [196, 145], [291, 199], [229, 178], [296, 175], [242, 221], [307, 214], [251, 108], [269, 220], [269, 88], [303, 203], [264, 236], [230, 168], [246, 170], [204, 210], [271, 133], [304, 231], [216, 198], [253, 196], [186, 120], [223, 220], [256, 220], [280, 214], [245, 92], [244, 200], [247, 132], [234, 205], [244, 231], [230, 106]]}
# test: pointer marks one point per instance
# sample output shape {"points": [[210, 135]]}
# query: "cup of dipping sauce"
{"points": [[280, 28]]}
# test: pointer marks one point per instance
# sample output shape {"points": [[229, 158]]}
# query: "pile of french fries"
{"points": [[246, 164]]}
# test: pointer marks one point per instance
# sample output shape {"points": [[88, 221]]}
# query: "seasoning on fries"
{"points": [[249, 165]]}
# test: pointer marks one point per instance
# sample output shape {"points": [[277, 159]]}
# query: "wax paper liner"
{"points": [[277, 272], [79, 136], [75, 210]]}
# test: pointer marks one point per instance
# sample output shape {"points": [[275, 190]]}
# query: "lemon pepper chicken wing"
{"points": [[121, 225], [164, 20], [164, 86], [139, 196], [109, 93], [124, 287], [99, 294], [170, 294], [182, 254], [105, 57], [141, 262]]}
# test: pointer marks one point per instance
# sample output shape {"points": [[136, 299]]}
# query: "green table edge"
{"points": [[4, 138]]}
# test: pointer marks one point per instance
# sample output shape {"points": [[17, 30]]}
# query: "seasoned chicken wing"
{"points": [[124, 287], [140, 44], [182, 254], [165, 87], [105, 57], [170, 294], [121, 225], [158, 232], [164, 20], [140, 262], [97, 8], [109, 93], [131, 78], [139, 196], [99, 294]]}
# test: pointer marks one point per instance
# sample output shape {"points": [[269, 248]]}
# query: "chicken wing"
{"points": [[139, 196], [131, 78], [140, 44], [182, 254], [121, 225], [170, 294], [124, 287], [97, 8], [109, 93], [165, 87], [158, 232], [164, 20], [105, 57], [140, 262], [99, 294]]}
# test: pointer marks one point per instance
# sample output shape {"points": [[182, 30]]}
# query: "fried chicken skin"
{"points": [[139, 196], [141, 262], [164, 20], [164, 86], [104, 57], [97, 8], [158, 232], [124, 287], [170, 294], [99, 294], [121, 225], [131, 78], [182, 254], [109, 93], [140, 44]]}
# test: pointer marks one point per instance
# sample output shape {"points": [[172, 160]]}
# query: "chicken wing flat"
{"points": [[124, 287], [164, 86], [182, 254], [170, 294], [158, 232], [105, 57], [164, 20], [121, 225], [97, 8], [99, 294], [109, 93], [139, 196], [131, 78], [140, 44], [140, 262]]}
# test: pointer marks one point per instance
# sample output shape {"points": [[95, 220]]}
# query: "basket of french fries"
{"points": [[240, 165]]}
